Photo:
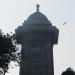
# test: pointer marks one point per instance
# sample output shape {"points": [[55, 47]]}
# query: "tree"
{"points": [[69, 71], [7, 51]]}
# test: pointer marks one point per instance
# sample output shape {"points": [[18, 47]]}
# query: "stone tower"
{"points": [[37, 37]]}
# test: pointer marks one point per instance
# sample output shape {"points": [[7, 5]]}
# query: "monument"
{"points": [[37, 37]]}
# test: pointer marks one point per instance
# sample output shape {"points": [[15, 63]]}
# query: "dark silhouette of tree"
{"points": [[69, 71], [7, 51], [18, 50]]}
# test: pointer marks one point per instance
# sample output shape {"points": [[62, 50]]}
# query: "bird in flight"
{"points": [[65, 23]]}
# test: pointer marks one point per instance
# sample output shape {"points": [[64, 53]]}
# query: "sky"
{"points": [[14, 12]]}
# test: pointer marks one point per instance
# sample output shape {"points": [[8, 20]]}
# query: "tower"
{"points": [[37, 37]]}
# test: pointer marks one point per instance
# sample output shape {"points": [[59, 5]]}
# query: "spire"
{"points": [[37, 7]]}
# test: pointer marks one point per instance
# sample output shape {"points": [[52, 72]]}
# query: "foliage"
{"points": [[7, 51], [69, 71]]}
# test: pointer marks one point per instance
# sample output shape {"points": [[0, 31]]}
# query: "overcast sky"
{"points": [[14, 12]]}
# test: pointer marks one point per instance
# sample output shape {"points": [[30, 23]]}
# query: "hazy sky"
{"points": [[14, 12]]}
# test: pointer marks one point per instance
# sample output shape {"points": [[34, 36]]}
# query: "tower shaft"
{"points": [[37, 58]]}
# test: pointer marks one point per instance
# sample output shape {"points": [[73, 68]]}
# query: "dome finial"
{"points": [[37, 7]]}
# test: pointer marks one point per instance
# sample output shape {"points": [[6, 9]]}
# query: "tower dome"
{"points": [[37, 18], [36, 27]]}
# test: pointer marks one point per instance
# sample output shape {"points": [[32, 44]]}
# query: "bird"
{"points": [[65, 23]]}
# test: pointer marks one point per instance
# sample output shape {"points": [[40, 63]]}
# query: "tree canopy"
{"points": [[69, 71], [7, 51]]}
